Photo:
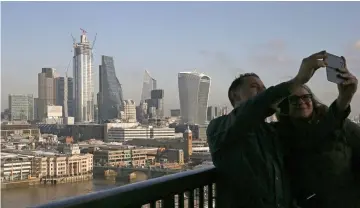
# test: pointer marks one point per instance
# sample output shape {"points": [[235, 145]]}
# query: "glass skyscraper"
{"points": [[194, 91], [149, 84], [110, 97], [83, 81]]}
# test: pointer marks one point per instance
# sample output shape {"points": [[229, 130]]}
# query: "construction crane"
{"points": [[92, 47], [83, 31], [66, 93]]}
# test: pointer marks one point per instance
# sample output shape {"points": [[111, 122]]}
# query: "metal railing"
{"points": [[194, 188]]}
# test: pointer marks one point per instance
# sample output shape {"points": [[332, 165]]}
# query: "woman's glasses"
{"points": [[295, 99]]}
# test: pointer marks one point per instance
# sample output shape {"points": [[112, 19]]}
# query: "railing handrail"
{"points": [[145, 168], [141, 192]]}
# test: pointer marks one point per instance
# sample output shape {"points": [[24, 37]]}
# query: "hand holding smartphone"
{"points": [[333, 64]]}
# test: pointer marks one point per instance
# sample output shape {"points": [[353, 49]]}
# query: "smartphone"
{"points": [[334, 62]]}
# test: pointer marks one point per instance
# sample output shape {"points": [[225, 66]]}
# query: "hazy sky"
{"points": [[217, 38]]}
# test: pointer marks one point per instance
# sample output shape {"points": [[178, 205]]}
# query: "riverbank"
{"points": [[48, 181], [19, 184], [69, 179]]}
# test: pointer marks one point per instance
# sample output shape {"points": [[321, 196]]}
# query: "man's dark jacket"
{"points": [[248, 156]]}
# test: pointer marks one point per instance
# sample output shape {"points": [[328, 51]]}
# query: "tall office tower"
{"points": [[110, 96], [70, 97], [21, 107], [96, 113], [46, 91], [210, 113], [64, 94], [157, 101], [83, 81], [194, 91], [224, 110], [149, 84], [141, 112]]}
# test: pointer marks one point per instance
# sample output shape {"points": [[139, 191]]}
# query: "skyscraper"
{"points": [[46, 91], [21, 107], [83, 81], [64, 94], [110, 96], [149, 84], [194, 91], [157, 101], [70, 98]]}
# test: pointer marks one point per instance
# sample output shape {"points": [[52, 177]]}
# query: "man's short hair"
{"points": [[238, 82]]}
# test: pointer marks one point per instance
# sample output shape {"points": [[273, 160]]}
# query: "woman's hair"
{"points": [[319, 109]]}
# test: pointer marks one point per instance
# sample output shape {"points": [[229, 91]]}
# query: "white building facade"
{"points": [[120, 132], [129, 111]]}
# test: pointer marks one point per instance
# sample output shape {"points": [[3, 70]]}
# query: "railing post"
{"points": [[210, 195], [168, 202], [201, 197], [181, 200], [191, 199], [217, 201]]}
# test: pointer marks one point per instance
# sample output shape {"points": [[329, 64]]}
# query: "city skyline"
{"points": [[211, 37]]}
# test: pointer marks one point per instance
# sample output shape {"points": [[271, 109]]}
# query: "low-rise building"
{"points": [[62, 166], [118, 132], [120, 157], [24, 130], [43, 164], [15, 167], [71, 149]]}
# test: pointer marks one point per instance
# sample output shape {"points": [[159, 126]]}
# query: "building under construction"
{"points": [[83, 80]]}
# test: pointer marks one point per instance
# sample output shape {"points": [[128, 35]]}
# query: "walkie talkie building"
{"points": [[194, 89]]}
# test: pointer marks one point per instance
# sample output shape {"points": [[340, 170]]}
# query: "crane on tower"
{"points": [[83, 31]]}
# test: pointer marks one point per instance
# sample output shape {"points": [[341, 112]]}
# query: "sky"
{"points": [[220, 39]]}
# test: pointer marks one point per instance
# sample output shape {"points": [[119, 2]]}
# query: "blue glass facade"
{"points": [[110, 97]]}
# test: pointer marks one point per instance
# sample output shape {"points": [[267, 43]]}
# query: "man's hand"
{"points": [[308, 67], [347, 89]]}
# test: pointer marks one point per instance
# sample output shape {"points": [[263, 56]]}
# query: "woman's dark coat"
{"points": [[328, 167]]}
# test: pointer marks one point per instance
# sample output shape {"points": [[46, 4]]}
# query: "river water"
{"points": [[30, 196]]}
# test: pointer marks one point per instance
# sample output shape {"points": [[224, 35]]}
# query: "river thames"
{"points": [[30, 196]]}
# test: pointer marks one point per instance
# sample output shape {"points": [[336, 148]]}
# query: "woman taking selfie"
{"points": [[322, 162]]}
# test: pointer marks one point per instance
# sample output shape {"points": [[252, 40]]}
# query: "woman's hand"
{"points": [[348, 88]]}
